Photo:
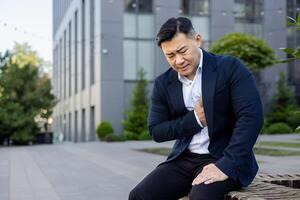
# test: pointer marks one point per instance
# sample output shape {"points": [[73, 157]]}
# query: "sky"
{"points": [[27, 21]]}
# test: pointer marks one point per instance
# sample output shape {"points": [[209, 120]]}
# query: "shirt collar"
{"points": [[185, 80]]}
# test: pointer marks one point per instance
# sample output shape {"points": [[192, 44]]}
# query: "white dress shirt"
{"points": [[192, 92]]}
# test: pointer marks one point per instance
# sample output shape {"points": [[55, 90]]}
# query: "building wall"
{"points": [[73, 106], [106, 91]]}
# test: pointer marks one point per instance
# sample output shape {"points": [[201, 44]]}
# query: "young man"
{"points": [[211, 106]]}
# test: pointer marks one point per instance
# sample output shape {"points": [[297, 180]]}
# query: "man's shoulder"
{"points": [[226, 59], [166, 77]]}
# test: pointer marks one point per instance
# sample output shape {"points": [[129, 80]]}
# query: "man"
{"points": [[211, 106]]}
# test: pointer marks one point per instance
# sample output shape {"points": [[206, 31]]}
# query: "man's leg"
{"points": [[213, 191], [169, 181]]}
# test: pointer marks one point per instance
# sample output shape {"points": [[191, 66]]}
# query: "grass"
{"points": [[257, 150], [274, 152], [158, 151], [282, 144]]}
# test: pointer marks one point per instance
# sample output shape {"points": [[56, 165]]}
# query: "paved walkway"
{"points": [[89, 171]]}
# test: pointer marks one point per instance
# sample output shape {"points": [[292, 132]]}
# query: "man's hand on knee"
{"points": [[210, 174]]}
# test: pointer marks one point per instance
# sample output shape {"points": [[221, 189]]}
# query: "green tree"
{"points": [[253, 51], [136, 121], [284, 108], [295, 53], [24, 95]]}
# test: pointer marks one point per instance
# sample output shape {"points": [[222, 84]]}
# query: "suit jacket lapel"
{"points": [[209, 77], [175, 94]]}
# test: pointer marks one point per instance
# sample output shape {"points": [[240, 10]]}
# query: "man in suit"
{"points": [[211, 106]]}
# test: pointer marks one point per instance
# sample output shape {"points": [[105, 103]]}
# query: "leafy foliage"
{"points": [[279, 128], [284, 108], [104, 129], [295, 53], [254, 52], [114, 138], [23, 95], [136, 121]]}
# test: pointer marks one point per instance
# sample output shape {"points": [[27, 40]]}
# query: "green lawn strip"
{"points": [[281, 144], [257, 150], [159, 151], [274, 152]]}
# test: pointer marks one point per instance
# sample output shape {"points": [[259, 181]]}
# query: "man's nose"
{"points": [[179, 60]]}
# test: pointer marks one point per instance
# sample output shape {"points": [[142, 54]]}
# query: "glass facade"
{"points": [[293, 41], [248, 16], [198, 12], [138, 44]]}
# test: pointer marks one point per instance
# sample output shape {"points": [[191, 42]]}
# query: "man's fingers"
{"points": [[200, 179], [209, 181]]}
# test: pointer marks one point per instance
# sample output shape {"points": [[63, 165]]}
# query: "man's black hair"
{"points": [[172, 27]]}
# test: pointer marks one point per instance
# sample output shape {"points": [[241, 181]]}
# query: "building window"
{"points": [[76, 50], [83, 125], [70, 127], [92, 42], [138, 44], [195, 7], [76, 126], [65, 63], [70, 59], [92, 124], [248, 16], [60, 69], [198, 12], [65, 127], [83, 45]]}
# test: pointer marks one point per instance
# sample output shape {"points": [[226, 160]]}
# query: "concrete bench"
{"points": [[268, 187]]}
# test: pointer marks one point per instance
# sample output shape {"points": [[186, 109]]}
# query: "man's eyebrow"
{"points": [[169, 54], [180, 49]]}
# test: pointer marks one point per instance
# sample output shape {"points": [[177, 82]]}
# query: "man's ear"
{"points": [[198, 40]]}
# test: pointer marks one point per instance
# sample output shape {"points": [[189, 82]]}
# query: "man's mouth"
{"points": [[184, 67]]}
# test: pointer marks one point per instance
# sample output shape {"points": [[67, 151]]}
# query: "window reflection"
{"points": [[138, 38], [195, 7], [198, 12], [249, 16]]}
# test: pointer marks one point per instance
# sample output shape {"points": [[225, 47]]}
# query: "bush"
{"points": [[293, 119], [131, 136], [253, 51], [278, 128], [136, 118], [23, 138], [297, 130], [145, 135], [114, 138], [104, 129]]}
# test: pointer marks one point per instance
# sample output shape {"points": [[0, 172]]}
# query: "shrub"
{"points": [[293, 119], [131, 136], [113, 138], [278, 128], [23, 138], [253, 51], [104, 129], [145, 135], [136, 118]]}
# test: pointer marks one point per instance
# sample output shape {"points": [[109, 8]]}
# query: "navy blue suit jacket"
{"points": [[233, 113]]}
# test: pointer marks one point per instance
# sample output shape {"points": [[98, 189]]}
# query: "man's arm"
{"points": [[161, 126], [247, 107], [248, 111]]}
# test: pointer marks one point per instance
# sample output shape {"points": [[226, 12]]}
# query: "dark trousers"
{"points": [[173, 180]]}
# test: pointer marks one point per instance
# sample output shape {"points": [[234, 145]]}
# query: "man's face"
{"points": [[182, 53]]}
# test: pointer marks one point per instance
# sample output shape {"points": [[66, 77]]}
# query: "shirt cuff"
{"points": [[200, 124]]}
